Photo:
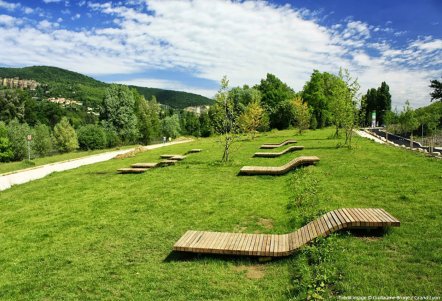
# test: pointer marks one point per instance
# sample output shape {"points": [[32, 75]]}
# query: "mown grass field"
{"points": [[93, 234]]}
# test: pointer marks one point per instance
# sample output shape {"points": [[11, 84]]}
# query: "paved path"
{"points": [[367, 135], [30, 174]]}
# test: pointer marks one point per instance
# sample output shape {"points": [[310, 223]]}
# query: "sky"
{"points": [[190, 45]]}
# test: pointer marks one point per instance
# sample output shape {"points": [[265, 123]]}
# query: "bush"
{"points": [[92, 137], [65, 136], [6, 153], [42, 143]]}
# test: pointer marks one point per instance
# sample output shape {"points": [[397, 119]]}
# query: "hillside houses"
{"points": [[19, 83]]}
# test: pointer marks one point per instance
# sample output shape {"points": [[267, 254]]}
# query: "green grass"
{"points": [[14, 166], [93, 234]]}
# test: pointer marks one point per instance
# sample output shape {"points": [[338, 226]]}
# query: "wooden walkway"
{"points": [[274, 245], [279, 170], [273, 155], [173, 157], [275, 145]]}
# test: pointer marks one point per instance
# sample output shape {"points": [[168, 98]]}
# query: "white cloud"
{"points": [[51, 1], [241, 39], [9, 21], [76, 17], [8, 5]]}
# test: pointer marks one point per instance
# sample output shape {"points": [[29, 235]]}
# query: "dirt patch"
{"points": [[266, 223], [251, 271], [132, 153]]}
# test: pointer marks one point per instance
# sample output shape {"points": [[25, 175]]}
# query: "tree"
{"points": [[170, 126], [17, 133], [436, 94], [274, 92], [351, 102], [65, 136], [6, 153], [378, 100], [12, 104], [284, 115], [91, 137], [225, 117], [317, 92], [302, 114], [252, 118], [42, 143], [118, 111]]}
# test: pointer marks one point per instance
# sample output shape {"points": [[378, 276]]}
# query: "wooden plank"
{"points": [[195, 239], [336, 219], [394, 220], [179, 242], [215, 240], [329, 226], [219, 242], [257, 244], [317, 228], [345, 217], [363, 217], [190, 238], [353, 222], [357, 222], [229, 243], [373, 218], [387, 220], [329, 222], [339, 219]]}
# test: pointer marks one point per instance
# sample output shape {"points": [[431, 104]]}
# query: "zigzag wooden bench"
{"points": [[275, 145], [173, 157], [274, 245], [273, 155], [144, 165], [193, 150], [131, 170], [279, 170]]}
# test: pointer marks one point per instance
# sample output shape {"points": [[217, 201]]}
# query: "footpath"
{"points": [[26, 175]]}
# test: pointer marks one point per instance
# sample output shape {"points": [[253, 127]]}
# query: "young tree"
{"points": [[42, 143], [350, 119], [65, 136], [224, 118], [252, 118], [170, 126], [274, 92], [118, 111], [302, 114], [408, 121]]}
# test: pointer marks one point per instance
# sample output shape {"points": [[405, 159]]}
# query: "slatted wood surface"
{"points": [[279, 170], [275, 145], [167, 162], [277, 154], [273, 245], [131, 170]]}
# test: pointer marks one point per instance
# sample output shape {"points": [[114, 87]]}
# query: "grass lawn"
{"points": [[14, 166], [93, 234]]}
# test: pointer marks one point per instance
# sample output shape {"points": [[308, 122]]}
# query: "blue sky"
{"points": [[189, 45]]}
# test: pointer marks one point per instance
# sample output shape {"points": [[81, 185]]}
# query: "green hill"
{"points": [[64, 83]]}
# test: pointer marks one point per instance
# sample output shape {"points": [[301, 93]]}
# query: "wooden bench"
{"points": [[273, 155], [194, 150], [275, 245], [275, 145], [144, 165], [173, 157], [131, 170], [279, 170]]}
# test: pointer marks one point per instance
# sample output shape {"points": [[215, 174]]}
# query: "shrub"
{"points": [[65, 136], [6, 153], [17, 133], [92, 137]]}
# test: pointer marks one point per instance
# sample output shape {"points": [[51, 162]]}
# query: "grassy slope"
{"points": [[90, 233]]}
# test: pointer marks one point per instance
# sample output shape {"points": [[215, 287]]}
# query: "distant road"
{"points": [[30, 174]]}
